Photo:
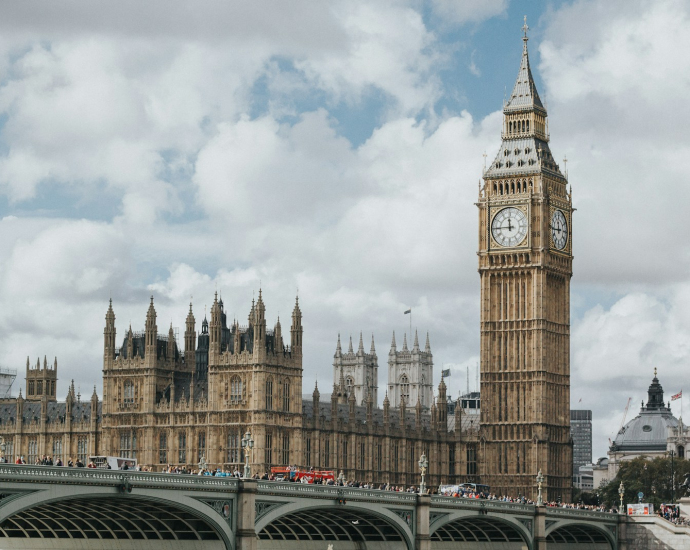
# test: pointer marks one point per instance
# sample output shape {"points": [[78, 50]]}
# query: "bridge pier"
{"points": [[540, 528], [245, 535], [422, 539]]}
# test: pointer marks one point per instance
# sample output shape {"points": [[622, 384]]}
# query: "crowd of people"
{"points": [[671, 512], [668, 512]]}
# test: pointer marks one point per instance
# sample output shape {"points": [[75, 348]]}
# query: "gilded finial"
{"points": [[654, 372], [525, 28]]}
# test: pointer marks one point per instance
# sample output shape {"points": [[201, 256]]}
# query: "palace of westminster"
{"points": [[164, 404]]}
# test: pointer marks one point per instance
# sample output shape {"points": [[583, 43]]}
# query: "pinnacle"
{"points": [[416, 340], [361, 344], [404, 348], [350, 350], [372, 351]]}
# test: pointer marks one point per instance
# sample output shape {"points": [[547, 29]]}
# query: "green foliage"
{"points": [[651, 477]]}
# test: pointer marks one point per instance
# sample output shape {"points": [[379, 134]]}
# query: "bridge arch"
{"points": [[84, 517], [345, 526], [480, 531], [574, 534]]}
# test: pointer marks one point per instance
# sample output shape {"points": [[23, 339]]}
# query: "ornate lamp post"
{"points": [[540, 480], [423, 465], [621, 493], [247, 445]]}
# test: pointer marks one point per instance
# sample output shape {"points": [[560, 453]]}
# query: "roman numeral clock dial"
{"points": [[509, 227], [559, 230]]}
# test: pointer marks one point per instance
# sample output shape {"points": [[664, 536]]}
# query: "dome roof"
{"points": [[649, 430]]}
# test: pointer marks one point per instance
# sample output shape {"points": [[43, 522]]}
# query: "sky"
{"points": [[334, 149]]}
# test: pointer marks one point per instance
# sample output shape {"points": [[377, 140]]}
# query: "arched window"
{"points": [[528, 125], [286, 395], [163, 448], [349, 385], [235, 390], [269, 394], [681, 451], [57, 448], [405, 388], [31, 387], [234, 447], [39, 387], [422, 392], [129, 392]]}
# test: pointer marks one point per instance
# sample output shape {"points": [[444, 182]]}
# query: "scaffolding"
{"points": [[7, 377]]}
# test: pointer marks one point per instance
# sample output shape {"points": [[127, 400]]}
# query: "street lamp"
{"points": [[673, 477], [423, 465], [540, 480], [621, 493], [247, 445]]}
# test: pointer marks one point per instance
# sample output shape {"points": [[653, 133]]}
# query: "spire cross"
{"points": [[654, 372], [525, 28]]}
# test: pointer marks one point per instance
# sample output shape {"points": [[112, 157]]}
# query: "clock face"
{"points": [[509, 227], [559, 230]]}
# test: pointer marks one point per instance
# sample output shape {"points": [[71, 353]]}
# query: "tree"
{"points": [[652, 477]]}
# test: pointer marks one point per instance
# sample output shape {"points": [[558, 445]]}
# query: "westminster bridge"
{"points": [[80, 508]]}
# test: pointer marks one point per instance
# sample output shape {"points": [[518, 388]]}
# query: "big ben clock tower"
{"points": [[525, 265]]}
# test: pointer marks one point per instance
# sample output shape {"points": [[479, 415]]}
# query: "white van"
{"points": [[114, 462]]}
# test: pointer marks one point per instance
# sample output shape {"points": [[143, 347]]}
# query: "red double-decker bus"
{"points": [[285, 473]]}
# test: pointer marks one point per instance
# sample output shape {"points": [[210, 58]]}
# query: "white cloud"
{"points": [[468, 10], [201, 124]]}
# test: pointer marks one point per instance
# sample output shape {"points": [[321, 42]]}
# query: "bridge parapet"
{"points": [[334, 492], [580, 514], [90, 476], [481, 504]]}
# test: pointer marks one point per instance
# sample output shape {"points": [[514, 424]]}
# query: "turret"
{"points": [[394, 349], [171, 345], [418, 415], [130, 343], [278, 337], [20, 410], [386, 409], [214, 333], [190, 339], [259, 328], [316, 396], [442, 404], [338, 349], [296, 331], [109, 335], [151, 351]]}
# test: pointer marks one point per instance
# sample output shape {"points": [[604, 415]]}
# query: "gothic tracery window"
{"points": [[349, 385], [405, 388], [269, 394], [286, 395], [235, 390], [129, 392]]}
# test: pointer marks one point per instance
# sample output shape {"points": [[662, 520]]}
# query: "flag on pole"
{"points": [[677, 396], [445, 373], [406, 312]]}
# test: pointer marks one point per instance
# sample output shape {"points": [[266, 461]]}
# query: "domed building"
{"points": [[654, 432]]}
